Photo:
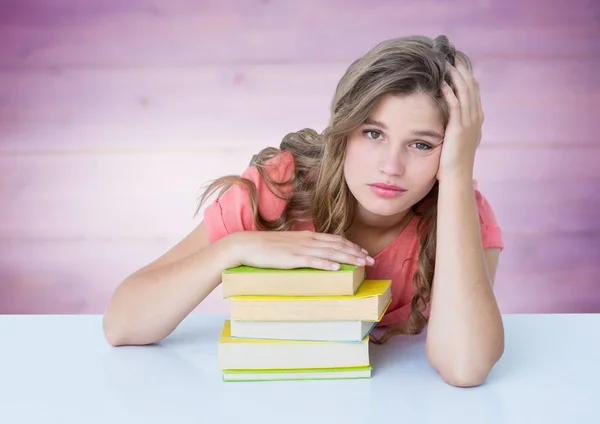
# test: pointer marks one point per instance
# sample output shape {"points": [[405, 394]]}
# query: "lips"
{"points": [[387, 191], [384, 186]]}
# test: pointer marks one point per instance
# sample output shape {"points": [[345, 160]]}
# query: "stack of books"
{"points": [[300, 323]]}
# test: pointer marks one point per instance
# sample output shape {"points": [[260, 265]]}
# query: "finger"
{"points": [[342, 247], [476, 110], [334, 238], [479, 107], [333, 255], [316, 263], [453, 104], [473, 86], [462, 93], [481, 113]]}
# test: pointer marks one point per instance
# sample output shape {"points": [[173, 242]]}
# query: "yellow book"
{"points": [[368, 304], [245, 280], [260, 354]]}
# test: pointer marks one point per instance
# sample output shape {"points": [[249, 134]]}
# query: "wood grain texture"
{"points": [[74, 276], [538, 272], [533, 102], [113, 114], [39, 13], [78, 196], [184, 33], [564, 291]]}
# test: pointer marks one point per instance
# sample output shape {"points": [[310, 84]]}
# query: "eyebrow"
{"points": [[427, 133], [418, 133]]}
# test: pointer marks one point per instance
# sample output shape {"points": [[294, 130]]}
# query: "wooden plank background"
{"points": [[113, 114]]}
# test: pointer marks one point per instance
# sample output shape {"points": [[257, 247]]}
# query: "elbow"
{"points": [[465, 376], [122, 321], [465, 372], [122, 331], [114, 333], [118, 329], [114, 323], [466, 368], [117, 333], [114, 340]]}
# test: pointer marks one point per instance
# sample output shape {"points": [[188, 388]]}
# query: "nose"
{"points": [[391, 162]]}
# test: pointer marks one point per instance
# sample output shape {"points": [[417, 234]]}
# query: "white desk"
{"points": [[59, 369]]}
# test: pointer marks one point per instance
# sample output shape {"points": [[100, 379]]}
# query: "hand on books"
{"points": [[297, 249]]}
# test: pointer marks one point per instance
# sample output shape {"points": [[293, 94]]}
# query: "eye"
{"points": [[422, 146], [372, 134]]}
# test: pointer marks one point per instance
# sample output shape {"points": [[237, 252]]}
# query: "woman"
{"points": [[388, 184]]}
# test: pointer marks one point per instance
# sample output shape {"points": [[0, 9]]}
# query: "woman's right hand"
{"points": [[296, 249]]}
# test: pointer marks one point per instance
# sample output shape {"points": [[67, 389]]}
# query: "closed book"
{"points": [[245, 354], [298, 374], [246, 280], [368, 304], [334, 331]]}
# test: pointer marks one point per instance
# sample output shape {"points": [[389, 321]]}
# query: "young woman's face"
{"points": [[393, 158]]}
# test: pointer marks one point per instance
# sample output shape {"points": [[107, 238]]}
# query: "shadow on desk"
{"points": [[398, 348]]}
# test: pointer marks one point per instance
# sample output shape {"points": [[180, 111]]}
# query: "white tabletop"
{"points": [[59, 369]]}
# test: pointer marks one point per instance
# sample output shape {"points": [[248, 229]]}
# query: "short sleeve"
{"points": [[232, 212], [491, 233]]}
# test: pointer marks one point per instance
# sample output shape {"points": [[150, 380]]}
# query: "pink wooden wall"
{"points": [[112, 115]]}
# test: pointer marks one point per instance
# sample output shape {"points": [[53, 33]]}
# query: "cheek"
{"points": [[433, 164], [357, 158], [422, 174], [428, 166]]}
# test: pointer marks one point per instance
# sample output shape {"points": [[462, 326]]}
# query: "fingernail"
{"points": [[361, 261], [364, 251], [370, 259], [335, 266]]}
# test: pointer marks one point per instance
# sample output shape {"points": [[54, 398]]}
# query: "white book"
{"points": [[247, 354], [335, 331]]}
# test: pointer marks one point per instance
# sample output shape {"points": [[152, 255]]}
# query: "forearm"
{"points": [[465, 334], [149, 305]]}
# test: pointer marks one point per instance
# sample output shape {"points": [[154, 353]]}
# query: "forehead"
{"points": [[416, 111]]}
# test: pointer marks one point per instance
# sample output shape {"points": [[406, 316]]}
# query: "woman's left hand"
{"points": [[463, 132]]}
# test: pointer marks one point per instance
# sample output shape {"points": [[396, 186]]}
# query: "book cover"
{"points": [[369, 303], [246, 280], [297, 374], [253, 354], [341, 331]]}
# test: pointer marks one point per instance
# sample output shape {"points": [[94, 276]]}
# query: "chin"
{"points": [[384, 211], [384, 207]]}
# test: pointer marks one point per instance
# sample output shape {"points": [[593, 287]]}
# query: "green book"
{"points": [[298, 374], [245, 280]]}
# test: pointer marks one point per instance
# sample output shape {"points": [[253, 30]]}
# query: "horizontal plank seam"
{"points": [[68, 66], [592, 234], [245, 150]]}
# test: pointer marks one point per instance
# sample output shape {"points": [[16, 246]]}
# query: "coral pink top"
{"points": [[232, 212]]}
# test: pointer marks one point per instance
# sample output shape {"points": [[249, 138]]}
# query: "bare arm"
{"points": [[465, 335], [149, 304], [153, 301]]}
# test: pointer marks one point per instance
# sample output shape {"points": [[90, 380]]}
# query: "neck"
{"points": [[366, 221]]}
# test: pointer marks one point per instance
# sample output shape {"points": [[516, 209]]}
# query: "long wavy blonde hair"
{"points": [[399, 66]]}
